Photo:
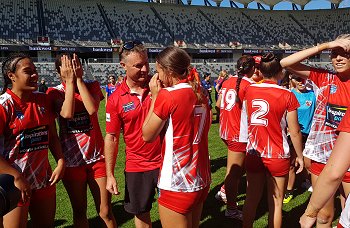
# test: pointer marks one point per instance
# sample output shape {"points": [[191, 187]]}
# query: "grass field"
{"points": [[213, 211]]}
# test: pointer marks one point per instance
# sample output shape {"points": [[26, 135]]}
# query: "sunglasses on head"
{"points": [[298, 79], [130, 45]]}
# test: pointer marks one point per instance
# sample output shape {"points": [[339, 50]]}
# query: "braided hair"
{"points": [[244, 65], [9, 65]]}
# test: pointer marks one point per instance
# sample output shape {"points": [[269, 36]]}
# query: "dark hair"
{"points": [[9, 65], [244, 65], [285, 82], [270, 65], [177, 60], [58, 62]]}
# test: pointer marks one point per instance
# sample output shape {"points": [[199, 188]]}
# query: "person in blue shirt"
{"points": [[307, 101], [207, 87]]}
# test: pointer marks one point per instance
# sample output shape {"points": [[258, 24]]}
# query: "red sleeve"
{"points": [[53, 97], [318, 76], [162, 106], [3, 120], [293, 103], [113, 122], [243, 87], [344, 125], [95, 89], [49, 103]]}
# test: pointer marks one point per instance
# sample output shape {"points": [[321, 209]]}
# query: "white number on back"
{"points": [[257, 116], [228, 98], [199, 113]]}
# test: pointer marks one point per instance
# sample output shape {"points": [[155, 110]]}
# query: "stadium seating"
{"points": [[91, 23], [75, 21], [19, 22]]}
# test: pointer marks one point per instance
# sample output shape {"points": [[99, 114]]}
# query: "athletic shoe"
{"points": [[234, 214], [310, 189], [221, 196], [287, 197]]}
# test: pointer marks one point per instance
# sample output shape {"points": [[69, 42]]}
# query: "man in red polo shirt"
{"points": [[126, 109]]}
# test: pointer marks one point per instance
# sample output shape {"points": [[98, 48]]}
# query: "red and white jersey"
{"points": [[344, 125], [127, 110], [24, 135], [233, 115], [185, 166], [331, 104], [81, 137], [267, 107]]}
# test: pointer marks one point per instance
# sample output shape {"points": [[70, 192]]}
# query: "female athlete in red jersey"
{"points": [[270, 107], [233, 129], [76, 103], [27, 131], [332, 102], [180, 113]]}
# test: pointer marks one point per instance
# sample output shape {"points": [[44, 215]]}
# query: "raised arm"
{"points": [[292, 62], [91, 101], [152, 125], [67, 74]]}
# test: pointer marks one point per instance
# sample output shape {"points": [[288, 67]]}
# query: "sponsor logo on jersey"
{"points": [[34, 139], [108, 117], [308, 103], [19, 115], [334, 114], [80, 123], [41, 110], [129, 106], [333, 89]]}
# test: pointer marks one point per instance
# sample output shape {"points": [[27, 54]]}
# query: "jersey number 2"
{"points": [[257, 116]]}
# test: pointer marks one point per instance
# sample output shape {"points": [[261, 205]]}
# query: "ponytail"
{"points": [[244, 64], [194, 80]]}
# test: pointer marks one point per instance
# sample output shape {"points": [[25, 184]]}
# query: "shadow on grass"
{"points": [[217, 163]]}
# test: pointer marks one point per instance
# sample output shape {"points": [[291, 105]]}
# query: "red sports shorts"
{"points": [[39, 195], [277, 167], [82, 173], [182, 202], [233, 146], [317, 167]]}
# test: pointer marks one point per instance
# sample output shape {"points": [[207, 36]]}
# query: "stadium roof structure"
{"points": [[274, 2]]}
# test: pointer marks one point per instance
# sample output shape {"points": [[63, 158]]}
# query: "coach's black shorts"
{"points": [[140, 188]]}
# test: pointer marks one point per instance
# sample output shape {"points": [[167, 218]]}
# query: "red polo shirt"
{"points": [[127, 111]]}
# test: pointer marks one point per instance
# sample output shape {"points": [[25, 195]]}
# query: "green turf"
{"points": [[213, 211]]}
